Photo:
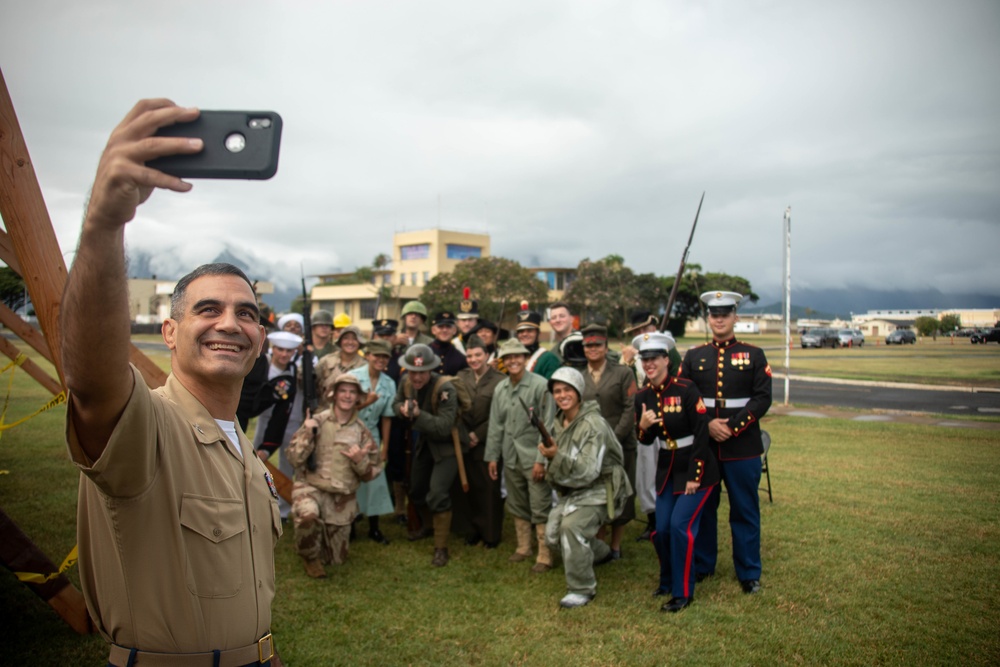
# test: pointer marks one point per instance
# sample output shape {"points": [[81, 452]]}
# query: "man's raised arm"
{"points": [[95, 317]]}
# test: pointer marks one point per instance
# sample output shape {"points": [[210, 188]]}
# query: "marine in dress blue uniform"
{"points": [[671, 416], [735, 382]]}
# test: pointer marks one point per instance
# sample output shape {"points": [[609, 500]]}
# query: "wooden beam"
{"points": [[7, 254], [30, 367], [25, 332], [19, 554], [29, 227]]}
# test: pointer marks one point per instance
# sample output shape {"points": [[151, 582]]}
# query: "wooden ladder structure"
{"points": [[29, 247]]}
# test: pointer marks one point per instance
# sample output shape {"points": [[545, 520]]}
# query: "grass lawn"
{"points": [[882, 547]]}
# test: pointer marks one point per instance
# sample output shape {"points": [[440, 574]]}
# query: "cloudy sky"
{"points": [[564, 129]]}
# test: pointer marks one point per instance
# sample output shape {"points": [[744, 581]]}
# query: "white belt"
{"points": [[680, 443], [726, 402]]}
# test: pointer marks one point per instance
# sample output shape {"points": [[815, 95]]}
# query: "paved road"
{"points": [[883, 396]]}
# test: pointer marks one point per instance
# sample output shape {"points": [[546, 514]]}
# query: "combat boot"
{"points": [[314, 568], [544, 560], [442, 526], [523, 530], [440, 558]]}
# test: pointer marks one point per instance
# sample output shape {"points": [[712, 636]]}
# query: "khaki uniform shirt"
{"points": [[510, 434], [176, 530]]}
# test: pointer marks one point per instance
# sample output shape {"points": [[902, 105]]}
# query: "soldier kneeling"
{"points": [[332, 453]]}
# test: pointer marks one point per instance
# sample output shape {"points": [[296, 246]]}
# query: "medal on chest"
{"points": [[270, 484], [740, 359], [671, 403]]}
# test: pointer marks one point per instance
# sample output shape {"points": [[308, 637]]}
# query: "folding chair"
{"points": [[765, 438]]}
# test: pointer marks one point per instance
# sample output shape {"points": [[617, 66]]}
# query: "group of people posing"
{"points": [[468, 421], [178, 519]]}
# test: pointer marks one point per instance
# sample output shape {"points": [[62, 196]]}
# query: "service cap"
{"points": [[594, 333], [385, 327], [721, 303], [445, 317], [653, 344]]}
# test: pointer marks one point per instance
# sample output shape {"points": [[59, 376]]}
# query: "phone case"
{"points": [[257, 160]]}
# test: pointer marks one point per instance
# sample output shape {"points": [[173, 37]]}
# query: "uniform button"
{"points": [[255, 529], [720, 383], [260, 584], [217, 532]]}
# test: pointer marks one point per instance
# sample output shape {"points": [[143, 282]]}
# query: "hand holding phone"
{"points": [[237, 144]]}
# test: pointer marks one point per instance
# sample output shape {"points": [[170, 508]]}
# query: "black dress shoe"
{"points": [[645, 536], [676, 604], [659, 592], [750, 586], [702, 576], [473, 540], [401, 519], [490, 545], [377, 536]]}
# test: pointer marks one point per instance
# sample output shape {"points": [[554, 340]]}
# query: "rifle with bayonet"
{"points": [[680, 271], [537, 423], [309, 399]]}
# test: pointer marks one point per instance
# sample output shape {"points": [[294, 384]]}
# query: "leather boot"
{"points": [[314, 568], [442, 526], [523, 530], [544, 561]]}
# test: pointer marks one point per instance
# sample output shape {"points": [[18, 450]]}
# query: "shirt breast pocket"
{"points": [[213, 531]]}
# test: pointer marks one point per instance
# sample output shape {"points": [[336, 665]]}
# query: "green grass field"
{"points": [[882, 547]]}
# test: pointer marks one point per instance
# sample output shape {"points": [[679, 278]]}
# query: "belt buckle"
{"points": [[720, 403], [260, 648], [671, 443]]}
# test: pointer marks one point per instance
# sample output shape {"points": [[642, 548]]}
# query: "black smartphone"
{"points": [[238, 144]]}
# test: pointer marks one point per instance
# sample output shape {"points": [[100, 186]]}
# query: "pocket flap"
{"points": [[215, 519]]}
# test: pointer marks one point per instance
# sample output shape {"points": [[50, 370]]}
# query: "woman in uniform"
{"points": [[671, 416]]}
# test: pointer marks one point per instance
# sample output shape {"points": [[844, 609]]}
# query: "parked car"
{"points": [[990, 336], [820, 338], [965, 333], [900, 336], [851, 337]]}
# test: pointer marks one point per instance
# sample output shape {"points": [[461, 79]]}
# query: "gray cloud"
{"points": [[564, 129]]}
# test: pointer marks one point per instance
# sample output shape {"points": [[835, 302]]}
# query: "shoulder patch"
{"points": [[767, 369], [444, 395], [701, 407]]}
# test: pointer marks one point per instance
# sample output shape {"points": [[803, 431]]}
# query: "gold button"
{"points": [[720, 383]]}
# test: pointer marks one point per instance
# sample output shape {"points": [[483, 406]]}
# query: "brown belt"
{"points": [[259, 652]]}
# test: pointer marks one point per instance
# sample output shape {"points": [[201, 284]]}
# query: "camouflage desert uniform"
{"points": [[587, 469], [324, 501], [332, 366]]}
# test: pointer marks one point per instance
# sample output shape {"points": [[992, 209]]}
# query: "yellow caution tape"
{"points": [[58, 399], [32, 578]]}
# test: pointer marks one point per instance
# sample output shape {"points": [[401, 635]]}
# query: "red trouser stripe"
{"points": [[689, 555]]}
